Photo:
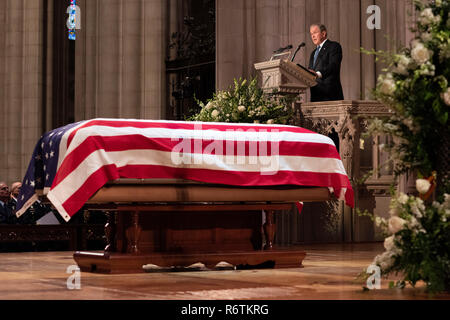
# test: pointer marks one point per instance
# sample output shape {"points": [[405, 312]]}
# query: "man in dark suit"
{"points": [[6, 215], [325, 62], [36, 211]]}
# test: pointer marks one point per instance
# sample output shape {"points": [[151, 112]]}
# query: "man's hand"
{"points": [[315, 73]]}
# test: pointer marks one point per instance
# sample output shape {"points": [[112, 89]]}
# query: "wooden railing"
{"points": [[70, 236]]}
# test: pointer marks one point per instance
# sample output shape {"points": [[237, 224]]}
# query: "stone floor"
{"points": [[329, 273]]}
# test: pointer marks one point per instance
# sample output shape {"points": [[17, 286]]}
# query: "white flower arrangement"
{"points": [[415, 87], [387, 84], [245, 102], [410, 243], [420, 53], [427, 17]]}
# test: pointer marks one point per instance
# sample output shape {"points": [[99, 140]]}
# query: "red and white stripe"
{"points": [[101, 150]]}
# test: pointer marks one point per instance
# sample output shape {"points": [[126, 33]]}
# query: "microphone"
{"points": [[282, 49], [296, 50]]}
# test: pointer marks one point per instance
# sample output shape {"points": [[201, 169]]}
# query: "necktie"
{"points": [[316, 54]]}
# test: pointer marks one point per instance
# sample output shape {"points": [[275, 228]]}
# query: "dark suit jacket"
{"points": [[30, 216], [6, 214], [329, 64]]}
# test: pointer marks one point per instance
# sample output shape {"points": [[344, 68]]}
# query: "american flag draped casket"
{"points": [[71, 163]]}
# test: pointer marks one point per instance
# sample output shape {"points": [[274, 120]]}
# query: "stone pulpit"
{"points": [[285, 77], [367, 167], [365, 161]]}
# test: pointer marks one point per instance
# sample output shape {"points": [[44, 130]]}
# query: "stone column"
{"points": [[20, 84], [120, 52]]}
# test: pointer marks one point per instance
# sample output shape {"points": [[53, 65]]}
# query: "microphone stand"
{"points": [[296, 50]]}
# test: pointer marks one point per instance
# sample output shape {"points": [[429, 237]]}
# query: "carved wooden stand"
{"points": [[181, 235]]}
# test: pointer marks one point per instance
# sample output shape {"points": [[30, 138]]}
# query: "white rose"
{"points": [[426, 36], [420, 53], [413, 223], [402, 64], [395, 224], [401, 69], [416, 211], [388, 86], [241, 108], [215, 113], [427, 69], [209, 105], [255, 121], [270, 121], [420, 204], [385, 260], [422, 185], [402, 198], [445, 96], [427, 17], [427, 13], [438, 3], [389, 243]]}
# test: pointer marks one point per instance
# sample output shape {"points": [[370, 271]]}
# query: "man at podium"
{"points": [[325, 62]]}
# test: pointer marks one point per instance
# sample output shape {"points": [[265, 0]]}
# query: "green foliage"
{"points": [[416, 88], [245, 102], [419, 242]]}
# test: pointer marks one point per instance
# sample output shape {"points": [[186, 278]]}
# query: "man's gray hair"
{"points": [[321, 26]]}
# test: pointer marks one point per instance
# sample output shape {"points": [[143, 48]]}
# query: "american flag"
{"points": [[69, 164]]}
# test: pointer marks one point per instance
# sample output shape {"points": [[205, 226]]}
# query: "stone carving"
{"points": [[284, 76], [348, 119]]}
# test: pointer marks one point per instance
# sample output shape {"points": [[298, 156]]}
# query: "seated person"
{"points": [[6, 213], [15, 190], [33, 213]]}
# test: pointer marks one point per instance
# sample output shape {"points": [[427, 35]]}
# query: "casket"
{"points": [[177, 193]]}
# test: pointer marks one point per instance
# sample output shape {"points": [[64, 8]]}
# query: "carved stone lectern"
{"points": [[285, 77]]}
